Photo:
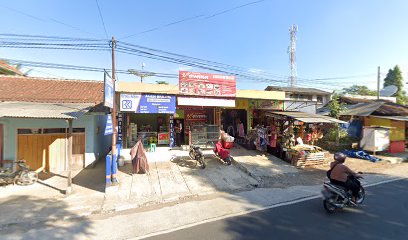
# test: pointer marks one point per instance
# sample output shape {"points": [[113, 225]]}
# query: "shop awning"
{"points": [[44, 110], [306, 117], [205, 102]]}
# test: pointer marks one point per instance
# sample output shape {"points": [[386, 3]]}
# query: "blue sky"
{"points": [[335, 38]]}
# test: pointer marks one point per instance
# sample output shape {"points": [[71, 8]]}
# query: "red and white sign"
{"points": [[207, 84]]}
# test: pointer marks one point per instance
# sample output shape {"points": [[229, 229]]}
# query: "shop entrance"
{"points": [[149, 128], [234, 122]]}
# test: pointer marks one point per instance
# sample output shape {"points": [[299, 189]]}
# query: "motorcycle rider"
{"points": [[340, 175]]}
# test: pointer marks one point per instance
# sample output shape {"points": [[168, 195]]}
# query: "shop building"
{"points": [[34, 122], [306, 100]]}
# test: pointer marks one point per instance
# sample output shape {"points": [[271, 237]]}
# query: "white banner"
{"points": [[205, 102]]}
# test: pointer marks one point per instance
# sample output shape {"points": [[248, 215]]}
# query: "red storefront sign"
{"points": [[195, 115], [207, 84]]}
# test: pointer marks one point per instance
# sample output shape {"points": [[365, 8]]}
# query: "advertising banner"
{"points": [[108, 92], [267, 104], [207, 84], [148, 103], [195, 115], [108, 126]]}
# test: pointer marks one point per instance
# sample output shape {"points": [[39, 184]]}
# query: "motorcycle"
{"points": [[22, 176], [196, 153], [222, 153], [336, 197]]}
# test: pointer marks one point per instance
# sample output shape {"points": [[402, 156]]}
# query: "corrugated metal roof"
{"points": [[308, 117], [362, 109], [298, 90], [396, 118], [44, 110]]}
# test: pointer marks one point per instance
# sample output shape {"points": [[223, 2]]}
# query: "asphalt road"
{"points": [[384, 215]]}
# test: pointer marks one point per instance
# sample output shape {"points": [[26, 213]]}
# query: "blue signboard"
{"points": [[108, 92], [120, 134], [148, 103], [109, 125]]}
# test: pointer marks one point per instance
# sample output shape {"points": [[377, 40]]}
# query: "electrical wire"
{"points": [[103, 22]]}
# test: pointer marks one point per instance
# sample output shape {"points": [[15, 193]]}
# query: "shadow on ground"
{"points": [[92, 177], [18, 223], [307, 220]]}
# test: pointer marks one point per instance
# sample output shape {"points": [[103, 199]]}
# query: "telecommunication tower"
{"points": [[292, 54]]}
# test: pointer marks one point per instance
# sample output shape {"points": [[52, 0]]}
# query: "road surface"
{"points": [[384, 215]]}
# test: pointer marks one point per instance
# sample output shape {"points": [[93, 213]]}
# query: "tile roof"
{"points": [[48, 90]]}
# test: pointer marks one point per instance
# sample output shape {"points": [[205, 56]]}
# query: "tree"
{"points": [[394, 77], [359, 90], [162, 82], [336, 107]]}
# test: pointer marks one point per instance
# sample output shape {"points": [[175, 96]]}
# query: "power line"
{"points": [[103, 22], [42, 43], [45, 20], [193, 18], [234, 8], [164, 26]]}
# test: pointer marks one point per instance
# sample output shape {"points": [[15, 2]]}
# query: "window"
{"points": [[53, 130], [320, 99]]}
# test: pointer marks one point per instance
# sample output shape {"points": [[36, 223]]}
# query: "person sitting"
{"points": [[341, 175]]}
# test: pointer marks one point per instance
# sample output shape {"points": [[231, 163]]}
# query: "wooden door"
{"points": [[78, 150]]}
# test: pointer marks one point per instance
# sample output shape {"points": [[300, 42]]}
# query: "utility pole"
{"points": [[292, 54], [114, 123], [378, 83]]}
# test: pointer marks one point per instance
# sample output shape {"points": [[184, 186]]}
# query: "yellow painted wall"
{"points": [[397, 131]]}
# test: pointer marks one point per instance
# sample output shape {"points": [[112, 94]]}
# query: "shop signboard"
{"points": [[148, 103], [207, 84], [268, 104], [172, 138], [205, 102], [163, 138], [108, 126], [108, 92], [195, 115]]}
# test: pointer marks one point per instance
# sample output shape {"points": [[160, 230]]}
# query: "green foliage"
{"points": [[394, 77], [336, 107], [359, 90], [332, 133], [162, 82]]}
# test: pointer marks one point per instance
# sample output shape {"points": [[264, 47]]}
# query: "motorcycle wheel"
{"points": [[201, 162], [26, 178], [361, 196], [330, 208], [191, 154], [228, 160]]}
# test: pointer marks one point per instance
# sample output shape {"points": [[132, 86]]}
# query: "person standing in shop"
{"points": [[178, 129]]}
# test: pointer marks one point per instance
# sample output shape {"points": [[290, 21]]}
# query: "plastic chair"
{"points": [[152, 147]]}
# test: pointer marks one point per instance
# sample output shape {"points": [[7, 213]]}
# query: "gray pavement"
{"points": [[383, 216]]}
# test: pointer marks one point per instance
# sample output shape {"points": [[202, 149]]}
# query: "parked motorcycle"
{"points": [[336, 197], [222, 153], [22, 176], [196, 153]]}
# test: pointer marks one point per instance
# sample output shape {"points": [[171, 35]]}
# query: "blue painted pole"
{"points": [[108, 170]]}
